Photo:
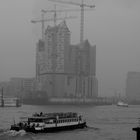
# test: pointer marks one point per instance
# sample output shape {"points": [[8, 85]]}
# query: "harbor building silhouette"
{"points": [[60, 72]]}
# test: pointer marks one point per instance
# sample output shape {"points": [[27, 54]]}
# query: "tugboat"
{"points": [[50, 122]]}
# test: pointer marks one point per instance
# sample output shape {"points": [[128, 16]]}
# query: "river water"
{"points": [[104, 123]]}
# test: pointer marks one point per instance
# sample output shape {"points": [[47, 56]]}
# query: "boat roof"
{"points": [[54, 115], [57, 115]]}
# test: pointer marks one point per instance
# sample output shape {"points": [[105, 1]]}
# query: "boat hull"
{"points": [[123, 105], [51, 129]]}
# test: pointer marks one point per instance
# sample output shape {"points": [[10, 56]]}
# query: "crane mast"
{"points": [[43, 26], [82, 24]]}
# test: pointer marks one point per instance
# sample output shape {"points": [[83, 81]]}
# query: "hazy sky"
{"points": [[114, 26]]}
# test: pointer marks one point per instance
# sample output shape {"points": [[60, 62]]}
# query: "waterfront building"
{"points": [[65, 70], [5, 86], [52, 60], [82, 81], [22, 87]]}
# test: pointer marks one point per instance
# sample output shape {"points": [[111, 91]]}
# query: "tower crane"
{"points": [[82, 6], [42, 20], [63, 10]]}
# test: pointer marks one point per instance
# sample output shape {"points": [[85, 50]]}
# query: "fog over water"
{"points": [[113, 26]]}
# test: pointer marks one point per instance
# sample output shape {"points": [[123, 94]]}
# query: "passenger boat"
{"points": [[50, 122]]}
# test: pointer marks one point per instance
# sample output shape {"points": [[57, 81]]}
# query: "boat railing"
{"points": [[60, 115]]}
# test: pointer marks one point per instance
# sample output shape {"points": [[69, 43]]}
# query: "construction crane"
{"points": [[59, 11], [42, 20], [82, 6]]}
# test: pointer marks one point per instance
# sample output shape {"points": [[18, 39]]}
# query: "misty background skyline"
{"points": [[113, 26]]}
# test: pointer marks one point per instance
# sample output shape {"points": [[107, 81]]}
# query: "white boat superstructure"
{"points": [[120, 103]]}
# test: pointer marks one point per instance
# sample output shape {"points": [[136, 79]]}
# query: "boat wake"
{"points": [[22, 135], [93, 128], [12, 133], [17, 133]]}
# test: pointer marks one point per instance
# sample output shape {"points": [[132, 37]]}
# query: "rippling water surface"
{"points": [[105, 123]]}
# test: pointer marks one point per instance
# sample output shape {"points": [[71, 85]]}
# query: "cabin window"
{"points": [[35, 120]]}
